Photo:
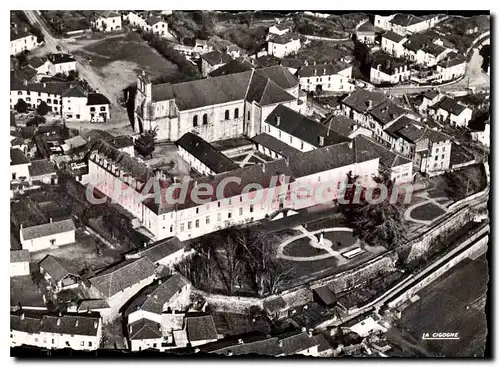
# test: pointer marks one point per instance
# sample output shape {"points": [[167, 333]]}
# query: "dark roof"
{"points": [[322, 69], [366, 27], [227, 144], [48, 229], [387, 63], [122, 275], [401, 123], [122, 141], [17, 157], [18, 256], [55, 87], [144, 329], [284, 38], [41, 167], [418, 41], [406, 20], [200, 328], [280, 75], [281, 26], [92, 304], [296, 342], [431, 94], [18, 33], [161, 249], [96, 99], [393, 36], [341, 124], [302, 127], [435, 136], [61, 58], [291, 63], [232, 67], [388, 159], [28, 322], [24, 292], [434, 49], [252, 343], [57, 268], [274, 144], [108, 13], [216, 57], [206, 153], [36, 62], [153, 20], [75, 91], [71, 324], [450, 105], [326, 295], [270, 94], [452, 60], [274, 304], [156, 296]]}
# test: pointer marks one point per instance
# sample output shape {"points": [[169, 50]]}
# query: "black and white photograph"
{"points": [[240, 183]]}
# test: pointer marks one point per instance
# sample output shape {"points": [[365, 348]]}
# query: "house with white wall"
{"points": [[213, 60], [48, 235], [449, 110], [157, 26], [278, 29], [451, 67], [406, 23], [19, 263], [61, 63], [281, 46], [167, 252], [74, 331], [19, 165], [107, 21], [365, 32], [334, 77], [429, 98], [482, 136], [385, 69], [21, 40], [392, 43], [59, 273]]}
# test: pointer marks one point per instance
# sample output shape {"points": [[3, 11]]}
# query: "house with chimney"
{"points": [[120, 282], [166, 253], [242, 101], [283, 45], [107, 21], [61, 63], [334, 77], [47, 235], [346, 126], [406, 23], [392, 43], [388, 70], [59, 273], [365, 32], [449, 110], [22, 40], [452, 67], [55, 331]]}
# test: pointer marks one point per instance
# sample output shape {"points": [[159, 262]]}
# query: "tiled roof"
{"points": [[434, 50], [302, 127], [144, 329], [200, 328], [41, 167], [153, 20], [393, 36], [57, 268], [18, 256], [450, 105], [161, 249], [75, 91], [284, 38], [156, 297], [451, 60], [36, 62], [326, 295], [253, 343], [274, 304], [48, 229], [16, 34], [366, 27], [120, 142], [216, 57], [109, 14], [120, 276], [388, 159], [75, 142], [26, 321], [232, 67], [17, 157], [206, 153], [406, 20], [61, 58], [274, 144], [296, 342], [431, 94], [322, 69], [96, 99], [341, 124], [280, 75], [401, 123], [88, 305], [387, 64]]}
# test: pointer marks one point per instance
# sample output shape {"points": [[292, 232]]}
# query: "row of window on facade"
{"points": [[226, 117], [279, 137], [82, 343]]}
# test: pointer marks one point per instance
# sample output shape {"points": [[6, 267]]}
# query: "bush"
{"points": [[21, 106], [43, 109]]}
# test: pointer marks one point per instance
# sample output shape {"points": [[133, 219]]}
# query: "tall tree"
{"points": [[21, 106]]}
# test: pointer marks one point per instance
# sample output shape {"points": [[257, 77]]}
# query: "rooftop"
{"points": [[450, 105], [24, 292], [366, 27], [57, 268], [161, 249], [17, 157], [393, 36], [97, 99], [61, 58], [232, 67], [406, 20], [48, 229], [144, 329], [322, 69], [41, 167], [200, 328], [274, 144], [18, 256], [216, 57], [285, 38], [341, 124]]}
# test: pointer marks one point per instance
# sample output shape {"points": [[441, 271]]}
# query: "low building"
{"points": [[145, 334], [98, 107], [21, 40], [388, 70], [201, 330], [333, 77], [283, 45], [90, 306], [450, 111], [120, 282], [482, 136], [107, 21], [392, 43], [122, 143], [47, 235], [19, 165], [276, 308], [157, 26], [365, 32], [167, 252], [59, 273], [272, 147], [43, 171], [278, 29], [452, 67], [429, 98], [19, 263], [213, 60], [202, 156], [78, 332], [346, 126], [61, 63], [367, 326]]}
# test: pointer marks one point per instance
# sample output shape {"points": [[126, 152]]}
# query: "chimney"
{"points": [[303, 329], [155, 296], [95, 324], [287, 161], [58, 321], [321, 140], [280, 343], [22, 316], [310, 333], [350, 144], [263, 167], [229, 353], [314, 63], [130, 330], [159, 281], [76, 323], [240, 341], [369, 103], [278, 120], [315, 71], [324, 71], [25, 82]]}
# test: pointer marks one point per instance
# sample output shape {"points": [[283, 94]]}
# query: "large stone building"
{"points": [[215, 108]]}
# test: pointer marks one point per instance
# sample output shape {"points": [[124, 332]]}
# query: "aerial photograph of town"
{"points": [[250, 183]]}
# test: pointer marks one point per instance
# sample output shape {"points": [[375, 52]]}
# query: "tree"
{"points": [[145, 144], [43, 108], [21, 106]]}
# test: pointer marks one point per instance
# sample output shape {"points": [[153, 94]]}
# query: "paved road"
{"points": [[85, 71]]}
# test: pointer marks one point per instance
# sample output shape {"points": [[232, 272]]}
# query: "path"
{"points": [[427, 200]]}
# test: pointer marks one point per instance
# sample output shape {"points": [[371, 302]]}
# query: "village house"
{"points": [[19, 166], [107, 21], [425, 49], [202, 156], [299, 131], [332, 77], [284, 45], [156, 26], [346, 126], [449, 110], [120, 282], [61, 63], [91, 306], [452, 67], [393, 44], [35, 68], [145, 334], [482, 135], [374, 111], [212, 60], [408, 126], [406, 23], [21, 40], [202, 46], [167, 252], [278, 29], [365, 32], [386, 69], [43, 171], [201, 330], [272, 147], [19, 263], [232, 67], [78, 332], [248, 97], [429, 98], [59, 273], [54, 233], [98, 107]]}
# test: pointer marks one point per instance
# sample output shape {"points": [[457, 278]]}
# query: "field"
{"points": [[453, 303]]}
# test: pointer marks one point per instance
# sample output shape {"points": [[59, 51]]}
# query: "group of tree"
{"points": [[237, 256], [362, 58], [145, 144]]}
